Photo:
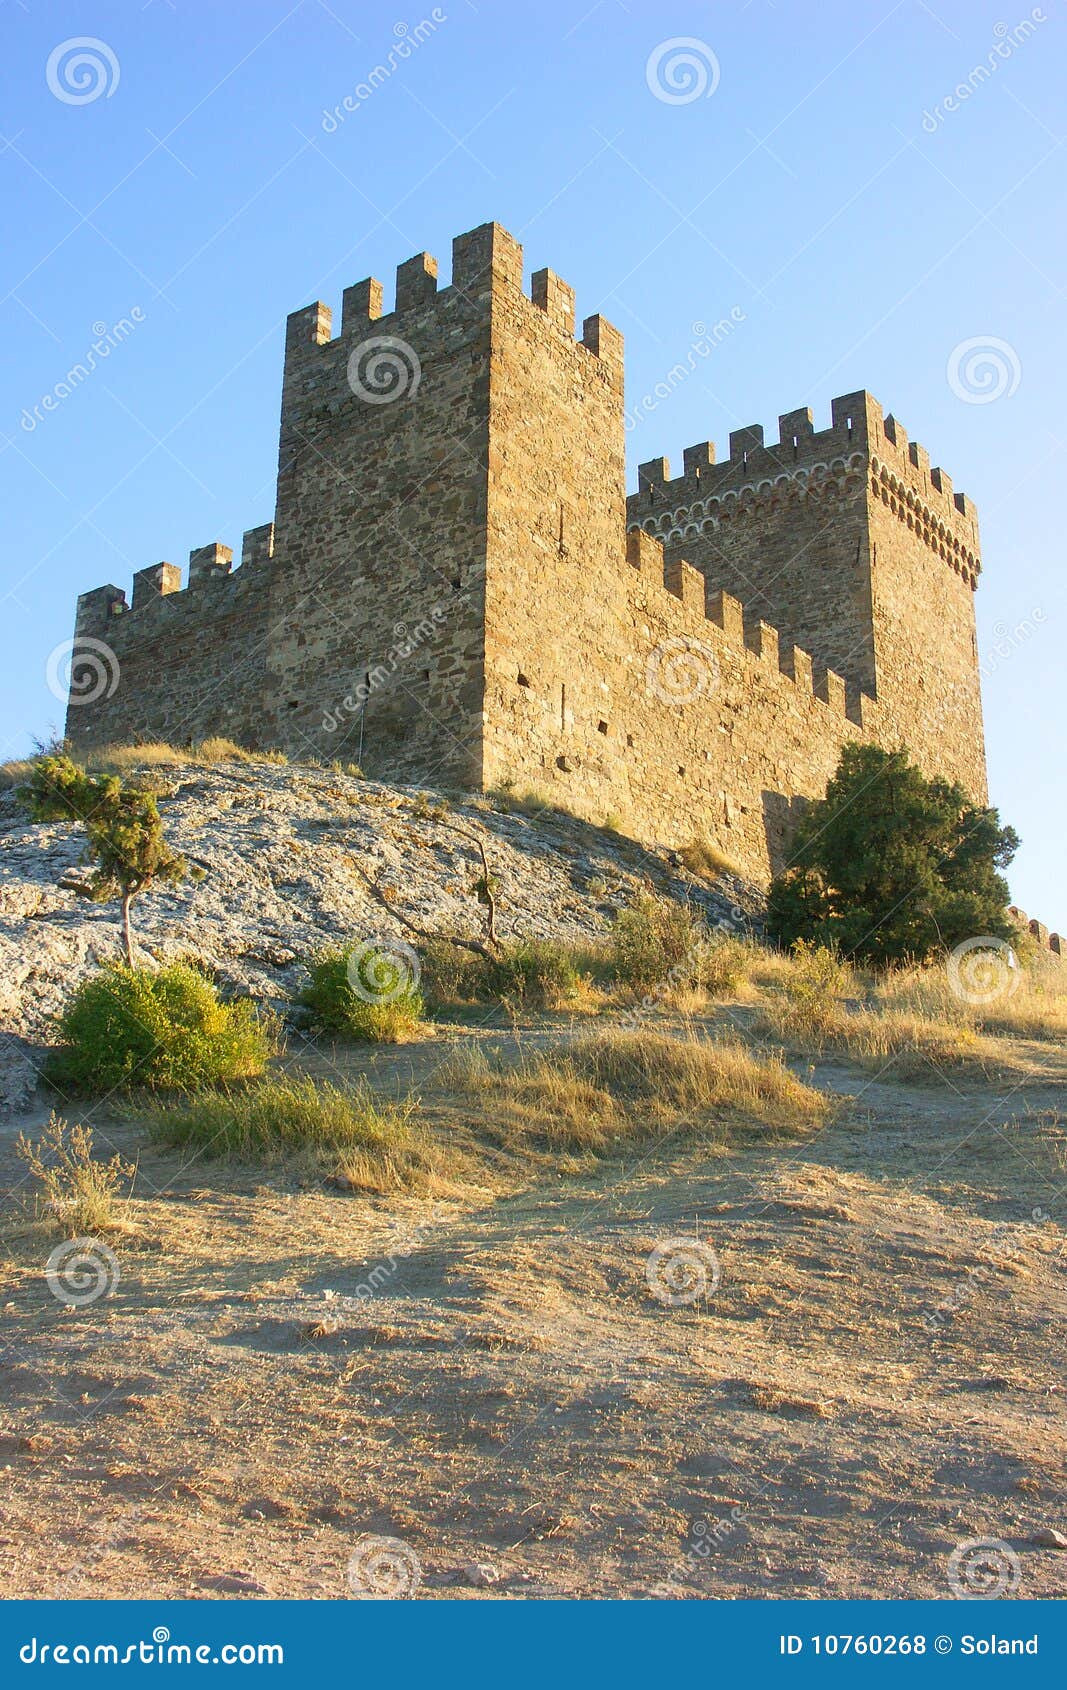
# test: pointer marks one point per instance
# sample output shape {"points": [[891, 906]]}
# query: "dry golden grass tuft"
{"points": [[873, 1037], [1033, 1004], [611, 1087], [706, 862], [911, 1016], [80, 1192], [368, 1145], [15, 773], [697, 1073], [157, 754]]}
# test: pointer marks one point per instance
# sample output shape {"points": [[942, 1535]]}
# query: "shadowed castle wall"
{"points": [[381, 518]]}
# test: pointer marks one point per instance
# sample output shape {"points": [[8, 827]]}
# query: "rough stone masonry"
{"points": [[455, 589]]}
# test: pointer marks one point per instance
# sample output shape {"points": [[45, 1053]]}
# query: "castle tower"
{"points": [[853, 547]]}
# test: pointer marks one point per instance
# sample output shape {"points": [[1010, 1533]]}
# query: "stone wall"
{"points": [[854, 548], [924, 544], [782, 527], [617, 684], [175, 665]]}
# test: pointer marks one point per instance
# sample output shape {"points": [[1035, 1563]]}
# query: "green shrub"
{"points": [[365, 992], [537, 973], [891, 867], [657, 939], [816, 982], [123, 830], [165, 1027], [375, 1146]]}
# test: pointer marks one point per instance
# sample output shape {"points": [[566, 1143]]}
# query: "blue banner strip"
{"points": [[509, 1644]]}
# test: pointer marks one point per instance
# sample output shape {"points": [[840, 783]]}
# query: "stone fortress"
{"points": [[456, 590]]}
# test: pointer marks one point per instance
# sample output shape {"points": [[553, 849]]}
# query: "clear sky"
{"points": [[815, 170]]}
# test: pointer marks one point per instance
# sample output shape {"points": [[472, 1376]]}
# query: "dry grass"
{"points": [[1033, 1007], [15, 773], [79, 1191], [817, 1004], [367, 1145], [610, 1087], [706, 862], [156, 754], [696, 1074]]}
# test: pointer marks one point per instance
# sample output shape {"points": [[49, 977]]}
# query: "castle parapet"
{"points": [[155, 582], [686, 583], [97, 608], [209, 563], [760, 639], [645, 554], [726, 612], [830, 687], [361, 304], [554, 296], [486, 261], [485, 257], [416, 282], [807, 462], [257, 545]]}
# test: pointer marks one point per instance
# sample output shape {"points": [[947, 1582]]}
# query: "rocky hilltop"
{"points": [[286, 856]]}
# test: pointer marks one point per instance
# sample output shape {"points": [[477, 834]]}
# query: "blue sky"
{"points": [[819, 187]]}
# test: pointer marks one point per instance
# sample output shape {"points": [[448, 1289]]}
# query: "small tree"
{"points": [[890, 866], [123, 827]]}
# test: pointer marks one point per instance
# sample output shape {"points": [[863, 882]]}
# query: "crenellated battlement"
{"points": [[805, 463], [745, 630], [161, 583], [487, 265], [1056, 943]]}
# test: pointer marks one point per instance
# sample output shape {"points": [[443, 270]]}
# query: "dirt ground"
{"points": [[286, 1373]]}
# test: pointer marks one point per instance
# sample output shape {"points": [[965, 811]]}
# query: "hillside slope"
{"points": [[285, 853]]}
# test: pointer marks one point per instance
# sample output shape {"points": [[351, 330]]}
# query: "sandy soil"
{"points": [[285, 1371]]}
